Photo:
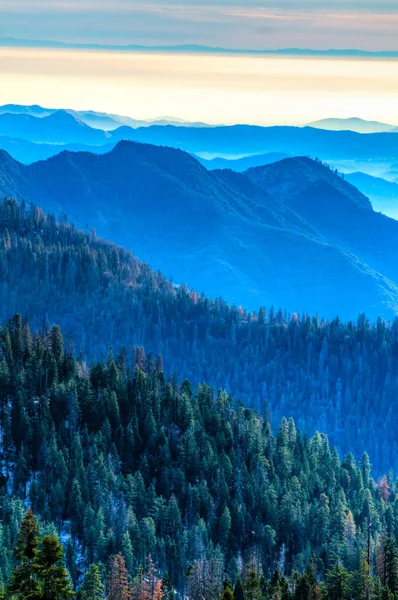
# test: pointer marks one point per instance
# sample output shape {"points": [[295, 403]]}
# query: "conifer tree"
{"points": [[227, 594], [388, 564], [24, 583], [239, 594], [224, 526], [127, 551], [377, 590], [118, 583], [158, 592], [167, 587], [52, 571], [361, 580], [252, 585], [92, 587], [338, 582]]}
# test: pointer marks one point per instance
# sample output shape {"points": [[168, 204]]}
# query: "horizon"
{"points": [[343, 52], [199, 87]]}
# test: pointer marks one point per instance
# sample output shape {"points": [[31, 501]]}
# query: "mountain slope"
{"points": [[335, 208], [382, 193], [292, 176], [104, 297], [28, 152], [220, 233], [121, 458]]}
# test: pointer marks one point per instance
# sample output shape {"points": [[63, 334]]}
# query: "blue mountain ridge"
{"points": [[293, 234]]}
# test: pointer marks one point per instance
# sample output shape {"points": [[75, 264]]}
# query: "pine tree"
{"points": [[92, 587], [24, 582], [377, 591], [252, 585], [279, 587], [52, 571], [158, 592], [118, 583], [167, 587], [224, 526], [338, 582], [147, 584], [361, 580], [389, 565], [239, 594], [227, 594], [151, 579], [127, 551], [57, 343]]}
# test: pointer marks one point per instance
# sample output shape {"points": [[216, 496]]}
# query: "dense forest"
{"points": [[119, 482], [332, 376]]}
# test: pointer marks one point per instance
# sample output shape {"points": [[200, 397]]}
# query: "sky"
{"points": [[254, 24], [228, 89], [197, 87]]}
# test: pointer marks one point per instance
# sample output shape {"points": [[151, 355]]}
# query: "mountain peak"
{"points": [[173, 160], [64, 117], [292, 176]]}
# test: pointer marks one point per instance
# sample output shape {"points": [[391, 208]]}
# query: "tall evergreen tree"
{"points": [[24, 584], [389, 564], [227, 594], [92, 587], [239, 593], [252, 585], [338, 582], [167, 587], [51, 569]]}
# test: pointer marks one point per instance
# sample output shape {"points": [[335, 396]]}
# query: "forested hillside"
{"points": [[336, 377], [153, 487]]}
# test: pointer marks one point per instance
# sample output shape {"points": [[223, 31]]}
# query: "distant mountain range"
{"points": [[241, 164], [62, 128], [353, 124], [293, 234], [34, 133], [97, 120], [110, 122], [238, 140], [59, 127], [196, 48]]}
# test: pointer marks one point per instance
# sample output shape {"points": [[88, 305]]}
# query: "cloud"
{"points": [[230, 23]]}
